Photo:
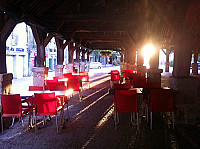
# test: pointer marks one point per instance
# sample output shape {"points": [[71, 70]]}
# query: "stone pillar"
{"points": [[39, 75], [195, 64], [59, 70], [195, 68], [82, 66], [87, 66], [186, 99], [154, 74], [6, 83], [167, 61]]}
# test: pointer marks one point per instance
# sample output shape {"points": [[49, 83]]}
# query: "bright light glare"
{"points": [[147, 51]]}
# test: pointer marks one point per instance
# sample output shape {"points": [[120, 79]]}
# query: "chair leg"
{"points": [[68, 111], [173, 119], [151, 119], [147, 113], [22, 122], [1, 124], [115, 117], [35, 123], [57, 123], [13, 121]]}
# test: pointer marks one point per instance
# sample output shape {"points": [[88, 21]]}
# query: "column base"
{"points": [[186, 99], [154, 75], [141, 70], [59, 70], [82, 66], [6, 83], [39, 75], [69, 68], [194, 68]]}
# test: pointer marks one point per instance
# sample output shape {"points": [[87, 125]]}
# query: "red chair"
{"points": [[51, 83], [11, 106], [115, 77], [137, 80], [68, 75], [125, 101], [161, 100], [122, 86], [84, 77], [126, 74], [76, 85], [47, 104], [35, 88], [146, 94]]}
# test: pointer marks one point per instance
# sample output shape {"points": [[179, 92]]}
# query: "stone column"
{"points": [[39, 75], [195, 64], [6, 83], [82, 66], [140, 61], [167, 61], [70, 64], [59, 70], [154, 74]]}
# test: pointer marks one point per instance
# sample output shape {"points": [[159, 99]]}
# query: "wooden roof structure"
{"points": [[111, 24], [108, 24]]}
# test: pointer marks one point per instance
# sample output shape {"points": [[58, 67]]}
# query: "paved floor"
{"points": [[91, 125]]}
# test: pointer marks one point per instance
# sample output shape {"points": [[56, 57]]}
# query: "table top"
{"points": [[57, 93]]}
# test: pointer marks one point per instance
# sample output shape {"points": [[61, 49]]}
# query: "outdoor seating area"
{"points": [[155, 98], [101, 120], [47, 100]]}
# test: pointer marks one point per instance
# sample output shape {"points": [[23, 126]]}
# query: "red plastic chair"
{"points": [[125, 101], [35, 88], [126, 74], [137, 80], [115, 77], [84, 77], [161, 100], [47, 104], [124, 86], [68, 75], [51, 83], [76, 85], [11, 106], [146, 94]]}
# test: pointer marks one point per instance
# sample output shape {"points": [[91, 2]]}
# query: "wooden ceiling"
{"points": [[108, 24]]}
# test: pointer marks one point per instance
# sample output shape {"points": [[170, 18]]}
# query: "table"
{"points": [[61, 94]]}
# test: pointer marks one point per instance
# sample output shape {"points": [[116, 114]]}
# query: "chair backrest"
{"points": [[35, 88], [126, 74], [152, 85], [125, 101], [84, 76], [114, 75], [161, 100], [58, 88], [73, 84], [46, 104], [118, 86], [68, 75], [138, 81], [58, 77], [11, 105], [51, 83]]}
